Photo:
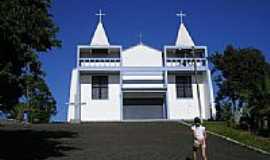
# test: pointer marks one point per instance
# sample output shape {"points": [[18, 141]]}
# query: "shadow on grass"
{"points": [[32, 145]]}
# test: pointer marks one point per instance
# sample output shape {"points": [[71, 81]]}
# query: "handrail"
{"points": [[99, 62], [185, 62], [100, 59], [186, 58]]}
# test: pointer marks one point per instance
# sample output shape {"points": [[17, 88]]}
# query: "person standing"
{"points": [[199, 135]]}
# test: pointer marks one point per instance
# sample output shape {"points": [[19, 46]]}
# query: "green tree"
{"points": [[26, 29], [242, 76], [37, 99]]}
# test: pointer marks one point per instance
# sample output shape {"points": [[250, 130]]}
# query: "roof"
{"points": [[100, 38], [183, 37]]}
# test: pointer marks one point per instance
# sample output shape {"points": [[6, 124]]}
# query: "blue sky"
{"points": [[214, 23]]}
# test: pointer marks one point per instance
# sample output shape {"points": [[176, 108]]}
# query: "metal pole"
{"points": [[28, 106], [197, 84]]}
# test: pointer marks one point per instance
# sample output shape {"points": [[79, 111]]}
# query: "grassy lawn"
{"points": [[239, 135]]}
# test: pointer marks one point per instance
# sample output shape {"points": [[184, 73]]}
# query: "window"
{"points": [[184, 87], [100, 51], [100, 87]]}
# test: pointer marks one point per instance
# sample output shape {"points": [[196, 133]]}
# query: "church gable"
{"points": [[142, 56]]}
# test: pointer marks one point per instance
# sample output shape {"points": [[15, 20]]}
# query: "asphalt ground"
{"points": [[112, 141]]}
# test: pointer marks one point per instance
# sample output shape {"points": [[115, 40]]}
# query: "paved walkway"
{"points": [[112, 141]]}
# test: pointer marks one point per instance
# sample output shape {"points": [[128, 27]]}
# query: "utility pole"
{"points": [[29, 111], [197, 83]]}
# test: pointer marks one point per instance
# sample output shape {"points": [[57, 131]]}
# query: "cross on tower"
{"points": [[100, 14], [181, 15], [140, 37]]}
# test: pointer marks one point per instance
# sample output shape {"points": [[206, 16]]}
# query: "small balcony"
{"points": [[182, 58], [99, 62], [186, 63]]}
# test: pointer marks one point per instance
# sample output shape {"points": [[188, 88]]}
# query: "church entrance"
{"points": [[143, 106]]}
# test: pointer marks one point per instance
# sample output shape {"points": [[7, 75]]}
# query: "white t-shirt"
{"points": [[198, 131]]}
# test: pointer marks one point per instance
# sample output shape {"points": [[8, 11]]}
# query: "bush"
{"points": [[40, 117], [244, 123], [18, 110], [264, 132]]}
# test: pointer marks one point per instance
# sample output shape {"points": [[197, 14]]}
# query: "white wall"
{"points": [[207, 99], [110, 109], [143, 86], [146, 77], [142, 56], [100, 110], [72, 93], [187, 108], [211, 95]]}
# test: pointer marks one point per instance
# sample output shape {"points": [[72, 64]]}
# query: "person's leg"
{"points": [[195, 151], [194, 155], [203, 149]]}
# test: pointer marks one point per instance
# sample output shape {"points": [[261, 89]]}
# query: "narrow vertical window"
{"points": [[184, 87], [99, 87]]}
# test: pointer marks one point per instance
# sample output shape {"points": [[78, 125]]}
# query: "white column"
{"points": [[211, 95]]}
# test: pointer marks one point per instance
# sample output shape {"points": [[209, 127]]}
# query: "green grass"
{"points": [[238, 135]]}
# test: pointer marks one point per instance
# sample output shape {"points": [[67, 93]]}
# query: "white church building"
{"points": [[110, 83]]}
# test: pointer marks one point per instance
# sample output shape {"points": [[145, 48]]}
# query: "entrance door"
{"points": [[148, 108]]}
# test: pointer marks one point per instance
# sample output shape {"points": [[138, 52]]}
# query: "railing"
{"points": [[99, 62], [186, 62], [115, 62]]}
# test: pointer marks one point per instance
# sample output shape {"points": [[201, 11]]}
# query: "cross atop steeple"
{"points": [[183, 37], [140, 38], [100, 38], [181, 15], [100, 14]]}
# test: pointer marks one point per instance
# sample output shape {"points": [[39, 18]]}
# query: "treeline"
{"points": [[242, 77], [26, 30]]}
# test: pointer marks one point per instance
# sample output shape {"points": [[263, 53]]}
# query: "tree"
{"points": [[37, 99], [243, 80], [26, 29]]}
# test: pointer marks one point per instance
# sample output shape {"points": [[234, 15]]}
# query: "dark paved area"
{"points": [[111, 141]]}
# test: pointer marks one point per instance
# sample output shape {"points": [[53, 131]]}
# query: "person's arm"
{"points": [[193, 133], [205, 135]]}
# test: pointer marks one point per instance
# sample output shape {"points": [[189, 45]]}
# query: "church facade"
{"points": [[110, 83]]}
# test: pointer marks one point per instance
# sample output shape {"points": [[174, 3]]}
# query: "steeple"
{"points": [[183, 37], [100, 38]]}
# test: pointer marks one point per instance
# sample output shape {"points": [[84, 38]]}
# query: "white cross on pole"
{"points": [[76, 105], [100, 14], [181, 15]]}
